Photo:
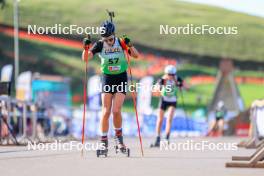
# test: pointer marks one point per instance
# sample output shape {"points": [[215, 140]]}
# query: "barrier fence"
{"points": [[27, 122], [15, 118], [23, 121]]}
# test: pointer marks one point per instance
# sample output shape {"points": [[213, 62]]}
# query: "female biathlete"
{"points": [[168, 85], [114, 80], [217, 126]]}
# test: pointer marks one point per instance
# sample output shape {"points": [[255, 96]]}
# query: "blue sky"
{"points": [[251, 7]]}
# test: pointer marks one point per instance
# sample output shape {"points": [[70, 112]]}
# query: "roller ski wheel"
{"points": [[103, 149], [122, 149], [100, 152]]}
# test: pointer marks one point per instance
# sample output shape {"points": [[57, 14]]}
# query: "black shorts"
{"points": [[114, 83], [165, 104]]}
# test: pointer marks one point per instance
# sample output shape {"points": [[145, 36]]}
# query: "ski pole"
{"points": [[183, 104], [184, 109], [84, 102], [133, 95], [85, 93]]}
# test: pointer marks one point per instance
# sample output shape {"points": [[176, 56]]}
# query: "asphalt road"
{"points": [[19, 161]]}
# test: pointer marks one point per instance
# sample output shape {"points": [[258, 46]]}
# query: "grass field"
{"points": [[141, 21]]}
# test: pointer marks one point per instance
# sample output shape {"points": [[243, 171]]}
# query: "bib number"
{"points": [[113, 60]]}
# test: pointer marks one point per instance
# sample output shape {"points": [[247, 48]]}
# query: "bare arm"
{"points": [[134, 52]]}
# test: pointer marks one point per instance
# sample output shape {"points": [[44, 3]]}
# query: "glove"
{"points": [[127, 40], [86, 43], [180, 84]]}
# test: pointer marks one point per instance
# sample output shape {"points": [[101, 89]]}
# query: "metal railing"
{"points": [[19, 111]]}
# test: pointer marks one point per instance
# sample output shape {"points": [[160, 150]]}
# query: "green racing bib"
{"points": [[169, 89], [113, 60]]}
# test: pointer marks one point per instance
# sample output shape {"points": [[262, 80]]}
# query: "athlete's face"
{"points": [[109, 40], [171, 76]]}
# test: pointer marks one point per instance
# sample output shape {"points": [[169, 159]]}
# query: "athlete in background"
{"points": [[218, 124], [169, 85]]}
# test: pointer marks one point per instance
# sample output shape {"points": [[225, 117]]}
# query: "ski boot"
{"points": [[167, 139], [103, 148], [120, 146], [156, 143]]}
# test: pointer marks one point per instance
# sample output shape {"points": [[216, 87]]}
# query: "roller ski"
{"points": [[156, 144], [103, 149], [120, 146]]}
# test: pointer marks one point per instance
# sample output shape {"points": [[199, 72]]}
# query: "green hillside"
{"points": [[141, 20]]}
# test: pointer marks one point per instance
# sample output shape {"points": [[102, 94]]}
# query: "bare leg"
{"points": [[169, 120], [118, 101], [221, 127], [159, 121], [212, 127], [158, 128], [106, 110]]}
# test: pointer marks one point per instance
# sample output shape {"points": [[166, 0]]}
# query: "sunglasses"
{"points": [[110, 39], [171, 74]]}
